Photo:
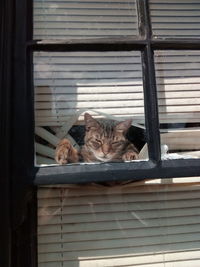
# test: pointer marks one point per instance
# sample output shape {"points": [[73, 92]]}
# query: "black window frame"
{"points": [[20, 177], [155, 167]]}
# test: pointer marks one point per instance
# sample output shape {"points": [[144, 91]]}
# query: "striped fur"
{"points": [[105, 141]]}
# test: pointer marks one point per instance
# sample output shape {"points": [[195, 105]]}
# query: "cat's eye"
{"points": [[116, 142], [98, 141], [95, 144]]}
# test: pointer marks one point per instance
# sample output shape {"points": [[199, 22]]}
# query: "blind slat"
{"points": [[175, 19], [170, 237], [70, 19]]}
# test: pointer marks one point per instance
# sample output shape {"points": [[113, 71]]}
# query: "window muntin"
{"points": [[146, 44], [179, 19], [178, 86], [67, 84], [84, 19]]}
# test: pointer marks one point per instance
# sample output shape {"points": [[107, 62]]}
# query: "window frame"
{"points": [[154, 167], [5, 132], [112, 171], [21, 177]]}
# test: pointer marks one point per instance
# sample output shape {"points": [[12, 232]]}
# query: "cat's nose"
{"points": [[105, 149]]}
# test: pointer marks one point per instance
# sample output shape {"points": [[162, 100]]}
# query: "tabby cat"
{"points": [[105, 141]]}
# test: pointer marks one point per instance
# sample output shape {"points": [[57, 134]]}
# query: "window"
{"points": [[67, 84], [177, 82], [105, 84], [154, 61], [141, 223], [84, 19], [105, 59], [103, 76]]}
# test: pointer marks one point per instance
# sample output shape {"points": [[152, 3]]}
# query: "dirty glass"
{"points": [[178, 85], [148, 223], [107, 85], [84, 19]]}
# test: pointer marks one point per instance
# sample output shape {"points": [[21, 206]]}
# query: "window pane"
{"points": [[180, 18], [178, 82], [84, 19], [142, 224], [68, 84]]}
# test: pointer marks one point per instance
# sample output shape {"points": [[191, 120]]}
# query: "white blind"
{"points": [[144, 225], [180, 18], [62, 19], [178, 83], [112, 83], [65, 83]]}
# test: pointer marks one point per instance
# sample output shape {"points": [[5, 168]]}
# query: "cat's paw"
{"points": [[65, 153], [130, 155]]}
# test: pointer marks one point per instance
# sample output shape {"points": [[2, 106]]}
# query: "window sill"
{"points": [[88, 173]]}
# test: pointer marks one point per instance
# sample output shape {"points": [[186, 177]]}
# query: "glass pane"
{"points": [[143, 224], [179, 19], [107, 85], [178, 83], [84, 19]]}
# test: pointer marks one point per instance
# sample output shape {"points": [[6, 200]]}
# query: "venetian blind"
{"points": [[112, 83], [86, 18], [67, 83], [178, 83], [136, 225], [179, 19]]}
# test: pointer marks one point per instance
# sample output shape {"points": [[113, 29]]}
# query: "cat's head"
{"points": [[105, 139]]}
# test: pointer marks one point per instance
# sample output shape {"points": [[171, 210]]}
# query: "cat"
{"points": [[104, 141]]}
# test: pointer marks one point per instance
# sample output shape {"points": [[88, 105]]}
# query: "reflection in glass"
{"points": [[141, 224], [178, 84], [84, 19], [106, 85]]}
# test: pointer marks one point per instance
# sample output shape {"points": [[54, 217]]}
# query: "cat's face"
{"points": [[105, 140]]}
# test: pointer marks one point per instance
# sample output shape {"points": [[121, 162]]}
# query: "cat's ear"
{"points": [[90, 122], [123, 126]]}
